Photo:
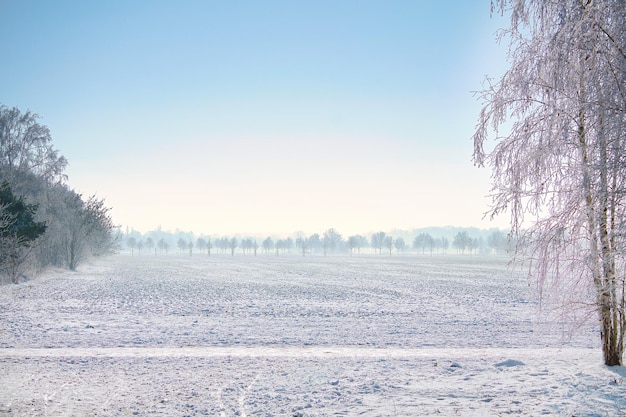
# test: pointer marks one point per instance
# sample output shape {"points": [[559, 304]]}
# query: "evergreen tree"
{"points": [[18, 231]]}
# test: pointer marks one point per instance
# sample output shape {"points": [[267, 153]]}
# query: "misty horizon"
{"points": [[264, 118]]}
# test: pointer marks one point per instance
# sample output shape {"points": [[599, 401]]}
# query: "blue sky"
{"points": [[260, 116]]}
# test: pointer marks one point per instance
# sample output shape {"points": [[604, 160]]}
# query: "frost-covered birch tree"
{"points": [[26, 147], [558, 116]]}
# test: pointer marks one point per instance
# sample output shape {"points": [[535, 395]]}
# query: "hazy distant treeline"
{"points": [[425, 241], [42, 221]]}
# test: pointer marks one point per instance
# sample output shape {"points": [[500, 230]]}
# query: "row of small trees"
{"points": [[42, 221], [330, 241]]}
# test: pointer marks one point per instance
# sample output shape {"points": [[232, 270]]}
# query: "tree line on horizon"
{"points": [[43, 222], [329, 242]]}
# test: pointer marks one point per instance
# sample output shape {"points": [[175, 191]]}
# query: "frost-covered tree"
{"points": [[232, 244], [378, 241], [201, 244], [150, 244], [131, 242], [475, 244], [558, 116], [85, 229], [331, 240], [26, 147], [75, 228], [268, 244], [223, 244], [361, 242], [182, 245], [302, 244], [400, 244], [496, 242], [389, 243], [163, 245], [443, 243], [353, 243], [289, 244], [423, 241], [247, 245], [431, 243], [6, 218], [280, 245], [314, 242], [461, 241]]}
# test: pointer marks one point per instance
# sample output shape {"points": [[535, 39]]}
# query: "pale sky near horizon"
{"points": [[223, 117]]}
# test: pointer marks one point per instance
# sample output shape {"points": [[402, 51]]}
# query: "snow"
{"points": [[292, 336], [510, 363]]}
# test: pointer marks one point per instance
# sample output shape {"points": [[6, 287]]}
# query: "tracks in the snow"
{"points": [[287, 352]]}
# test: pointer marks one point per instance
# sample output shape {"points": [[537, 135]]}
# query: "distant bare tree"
{"points": [[163, 246], [131, 242], [424, 241], [247, 244], [268, 245], [389, 244], [356, 242], [280, 245], [497, 242], [201, 244], [289, 244], [182, 245], [233, 245], [361, 243], [302, 244], [209, 246], [443, 243], [314, 242], [223, 244], [474, 245], [400, 245], [331, 240], [461, 241], [352, 243], [378, 241], [150, 244]]}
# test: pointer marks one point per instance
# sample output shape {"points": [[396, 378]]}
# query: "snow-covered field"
{"points": [[292, 336]]}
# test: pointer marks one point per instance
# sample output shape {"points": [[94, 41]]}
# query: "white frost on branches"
{"points": [[559, 118]]}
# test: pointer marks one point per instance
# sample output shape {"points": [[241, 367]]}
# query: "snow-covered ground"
{"points": [[292, 336]]}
